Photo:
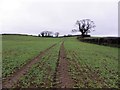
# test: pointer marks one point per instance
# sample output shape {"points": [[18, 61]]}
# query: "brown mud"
{"points": [[62, 76]]}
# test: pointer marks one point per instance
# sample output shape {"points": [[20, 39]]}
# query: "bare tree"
{"points": [[42, 34], [46, 33], [38, 35], [49, 33], [85, 26], [57, 34]]}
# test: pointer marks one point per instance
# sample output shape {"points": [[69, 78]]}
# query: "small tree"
{"points": [[42, 34], [49, 33], [85, 26], [57, 34], [46, 34], [38, 35]]}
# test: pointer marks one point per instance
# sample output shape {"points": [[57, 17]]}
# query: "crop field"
{"points": [[37, 62], [42, 73], [17, 50], [97, 65]]}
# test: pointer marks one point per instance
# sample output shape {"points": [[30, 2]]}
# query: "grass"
{"points": [[99, 58], [17, 50]]}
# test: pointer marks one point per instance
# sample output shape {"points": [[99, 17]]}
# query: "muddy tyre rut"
{"points": [[62, 76]]}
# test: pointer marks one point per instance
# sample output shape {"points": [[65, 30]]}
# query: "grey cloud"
{"points": [[34, 17]]}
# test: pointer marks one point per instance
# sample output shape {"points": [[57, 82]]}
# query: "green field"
{"points": [[94, 58], [42, 72], [17, 50], [89, 65]]}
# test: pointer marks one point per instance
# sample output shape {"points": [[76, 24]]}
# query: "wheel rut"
{"points": [[85, 77], [62, 77], [10, 81]]}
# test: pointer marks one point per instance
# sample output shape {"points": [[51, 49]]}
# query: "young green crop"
{"points": [[41, 74], [85, 59], [17, 50], [98, 58]]}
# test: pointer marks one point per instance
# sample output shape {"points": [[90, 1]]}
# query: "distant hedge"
{"points": [[107, 41]]}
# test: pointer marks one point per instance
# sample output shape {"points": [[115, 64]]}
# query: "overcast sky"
{"points": [[34, 16]]}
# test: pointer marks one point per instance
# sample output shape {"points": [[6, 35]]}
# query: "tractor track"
{"points": [[61, 75], [10, 81], [85, 74]]}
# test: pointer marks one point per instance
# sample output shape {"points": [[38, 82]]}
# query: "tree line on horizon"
{"points": [[85, 26], [48, 34]]}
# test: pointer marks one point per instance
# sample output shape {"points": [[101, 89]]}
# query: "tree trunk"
{"points": [[82, 34]]}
